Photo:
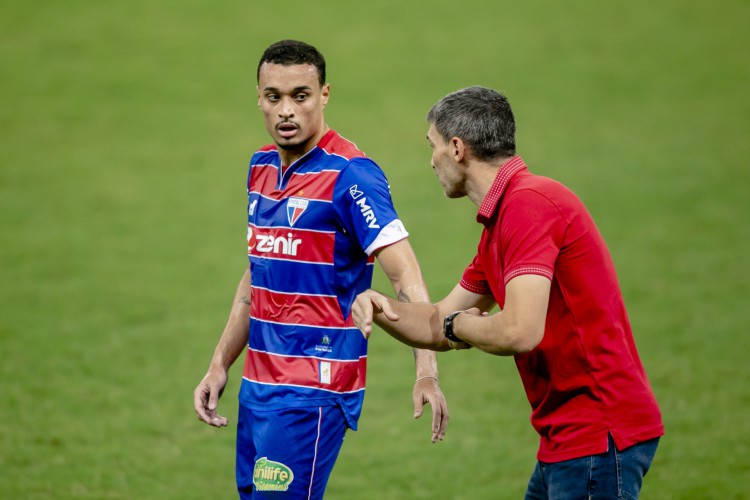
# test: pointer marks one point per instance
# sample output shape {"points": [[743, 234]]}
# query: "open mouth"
{"points": [[287, 129]]}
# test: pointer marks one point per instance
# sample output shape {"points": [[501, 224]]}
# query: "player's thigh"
{"points": [[245, 454], [293, 451]]}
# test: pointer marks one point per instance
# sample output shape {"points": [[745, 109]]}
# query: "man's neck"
{"points": [[480, 177]]}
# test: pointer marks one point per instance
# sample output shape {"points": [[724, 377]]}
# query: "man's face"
{"points": [[450, 175], [292, 103]]}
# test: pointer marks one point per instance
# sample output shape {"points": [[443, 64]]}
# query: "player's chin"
{"points": [[287, 143]]}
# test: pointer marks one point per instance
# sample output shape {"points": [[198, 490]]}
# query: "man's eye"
{"points": [[272, 97], [300, 97]]}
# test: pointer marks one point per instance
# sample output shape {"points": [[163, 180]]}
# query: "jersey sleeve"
{"points": [[533, 231], [363, 202], [474, 279]]}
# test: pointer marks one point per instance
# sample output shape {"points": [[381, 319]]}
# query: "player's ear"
{"points": [[258, 89], [325, 91]]}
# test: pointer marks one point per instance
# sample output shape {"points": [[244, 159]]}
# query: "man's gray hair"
{"points": [[480, 117]]}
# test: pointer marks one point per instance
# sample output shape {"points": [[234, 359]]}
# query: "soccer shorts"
{"points": [[287, 453]]}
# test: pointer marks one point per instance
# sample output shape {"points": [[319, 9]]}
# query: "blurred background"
{"points": [[125, 133]]}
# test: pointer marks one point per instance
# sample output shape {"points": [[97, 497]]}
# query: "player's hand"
{"points": [[206, 398], [427, 391], [457, 346], [366, 305]]}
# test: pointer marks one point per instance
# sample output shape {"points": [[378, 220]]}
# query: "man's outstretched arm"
{"points": [[417, 325], [518, 328]]}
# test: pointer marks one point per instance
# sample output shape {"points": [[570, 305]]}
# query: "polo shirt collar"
{"points": [[492, 199]]}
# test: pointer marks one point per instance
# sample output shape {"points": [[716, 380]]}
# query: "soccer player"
{"points": [[543, 261], [319, 213]]}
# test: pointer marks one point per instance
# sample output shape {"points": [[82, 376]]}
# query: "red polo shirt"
{"points": [[585, 379]]}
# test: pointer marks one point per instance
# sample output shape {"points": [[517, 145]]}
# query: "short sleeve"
{"points": [[532, 230], [362, 199], [474, 278]]}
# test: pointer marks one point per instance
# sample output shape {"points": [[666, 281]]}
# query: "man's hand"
{"points": [[367, 304], [427, 390], [206, 398]]}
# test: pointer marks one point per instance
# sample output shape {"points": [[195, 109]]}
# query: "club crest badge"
{"points": [[295, 207]]}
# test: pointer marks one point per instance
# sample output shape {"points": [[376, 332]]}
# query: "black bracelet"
{"points": [[448, 327]]}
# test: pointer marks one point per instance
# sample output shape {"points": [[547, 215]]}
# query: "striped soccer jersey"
{"points": [[312, 229]]}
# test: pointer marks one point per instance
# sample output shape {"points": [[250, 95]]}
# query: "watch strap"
{"points": [[448, 327]]}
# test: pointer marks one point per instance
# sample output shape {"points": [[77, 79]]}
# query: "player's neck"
{"points": [[290, 155]]}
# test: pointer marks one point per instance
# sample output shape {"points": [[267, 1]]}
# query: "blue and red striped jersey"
{"points": [[312, 230]]}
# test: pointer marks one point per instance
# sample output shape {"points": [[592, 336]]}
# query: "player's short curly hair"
{"points": [[480, 117], [290, 52]]}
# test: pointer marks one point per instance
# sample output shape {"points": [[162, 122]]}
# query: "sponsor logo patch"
{"points": [[267, 243], [325, 372], [354, 192], [367, 213], [364, 208], [271, 476], [324, 345]]}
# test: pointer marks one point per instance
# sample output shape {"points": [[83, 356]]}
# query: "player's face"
{"points": [[292, 103], [450, 175]]}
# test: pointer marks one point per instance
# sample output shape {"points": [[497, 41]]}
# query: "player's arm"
{"points": [[518, 328], [400, 265], [232, 343]]}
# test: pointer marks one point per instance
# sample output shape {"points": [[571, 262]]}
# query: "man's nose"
{"points": [[286, 110]]}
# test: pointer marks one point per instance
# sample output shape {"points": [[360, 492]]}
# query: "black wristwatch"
{"points": [[448, 327]]}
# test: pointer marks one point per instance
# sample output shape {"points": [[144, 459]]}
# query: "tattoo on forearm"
{"points": [[403, 297], [245, 300]]}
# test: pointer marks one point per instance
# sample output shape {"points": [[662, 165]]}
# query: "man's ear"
{"points": [[459, 149]]}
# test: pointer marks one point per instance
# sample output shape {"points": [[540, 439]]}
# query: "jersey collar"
{"points": [[493, 196], [322, 143], [327, 137]]}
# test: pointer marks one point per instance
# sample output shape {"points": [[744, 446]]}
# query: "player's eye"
{"points": [[300, 97]]}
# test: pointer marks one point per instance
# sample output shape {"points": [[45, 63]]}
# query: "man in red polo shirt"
{"points": [[542, 260]]}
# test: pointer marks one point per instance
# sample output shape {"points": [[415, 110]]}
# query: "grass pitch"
{"points": [[125, 130]]}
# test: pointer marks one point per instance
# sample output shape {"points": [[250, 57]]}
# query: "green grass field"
{"points": [[125, 131]]}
